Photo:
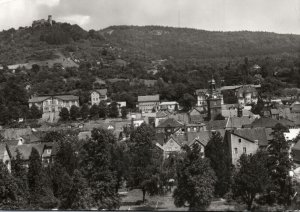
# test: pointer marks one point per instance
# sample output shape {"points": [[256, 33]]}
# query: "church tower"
{"points": [[214, 100]]}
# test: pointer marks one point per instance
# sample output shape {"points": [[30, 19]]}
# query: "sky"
{"points": [[280, 16]]}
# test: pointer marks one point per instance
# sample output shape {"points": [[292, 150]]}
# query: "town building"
{"points": [[54, 103], [148, 104], [98, 95], [170, 106], [245, 141], [247, 95], [214, 101]]}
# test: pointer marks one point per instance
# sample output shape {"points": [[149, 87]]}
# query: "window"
{"points": [[240, 140], [244, 150], [235, 150]]}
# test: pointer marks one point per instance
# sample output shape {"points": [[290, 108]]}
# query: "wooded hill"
{"points": [[28, 43], [198, 44]]}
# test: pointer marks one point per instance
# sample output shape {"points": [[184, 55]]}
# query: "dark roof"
{"points": [[296, 108], [62, 97], [38, 99], [253, 134], [170, 122], [202, 136], [271, 123], [31, 138], [161, 114], [149, 98], [238, 122], [25, 150], [216, 124], [102, 92], [68, 97]]}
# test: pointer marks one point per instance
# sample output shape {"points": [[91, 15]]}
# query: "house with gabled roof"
{"points": [[148, 103], [172, 145], [170, 126], [197, 114], [98, 95], [241, 142], [238, 122], [54, 103]]}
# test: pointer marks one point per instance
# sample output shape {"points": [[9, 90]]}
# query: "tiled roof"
{"points": [[84, 135], [102, 92], [238, 122], [25, 150], [161, 114], [149, 98], [202, 136], [271, 123], [216, 124], [201, 91], [62, 97], [253, 134], [170, 122], [229, 113], [68, 97], [274, 111], [31, 138], [296, 108], [37, 99]]}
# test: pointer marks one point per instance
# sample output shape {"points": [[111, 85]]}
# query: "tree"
{"points": [[8, 187], [80, 195], [187, 101], [219, 117], [20, 174], [252, 177], [218, 153], [97, 168], [74, 112], [103, 110], [64, 114], [94, 111], [257, 108], [53, 136], [280, 164], [113, 110], [195, 180], [124, 112], [84, 111], [35, 113], [120, 163], [66, 156], [41, 194], [144, 162]]}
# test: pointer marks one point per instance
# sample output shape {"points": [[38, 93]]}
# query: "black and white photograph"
{"points": [[149, 105]]}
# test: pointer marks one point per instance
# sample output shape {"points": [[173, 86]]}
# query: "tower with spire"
{"points": [[214, 100]]}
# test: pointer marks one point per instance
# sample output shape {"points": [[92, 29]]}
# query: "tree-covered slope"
{"points": [[192, 43]]}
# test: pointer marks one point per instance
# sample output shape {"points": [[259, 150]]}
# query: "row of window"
{"points": [[236, 150]]}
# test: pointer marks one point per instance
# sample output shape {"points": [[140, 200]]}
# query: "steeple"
{"points": [[212, 88]]}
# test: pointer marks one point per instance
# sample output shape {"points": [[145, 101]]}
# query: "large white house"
{"points": [[149, 103], [54, 103], [98, 95]]}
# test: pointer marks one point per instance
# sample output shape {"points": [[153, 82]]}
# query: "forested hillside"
{"points": [[192, 43]]}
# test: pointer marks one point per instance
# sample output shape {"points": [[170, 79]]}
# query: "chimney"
{"points": [[50, 19]]}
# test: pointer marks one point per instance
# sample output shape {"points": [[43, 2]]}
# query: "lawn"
{"points": [[132, 200]]}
